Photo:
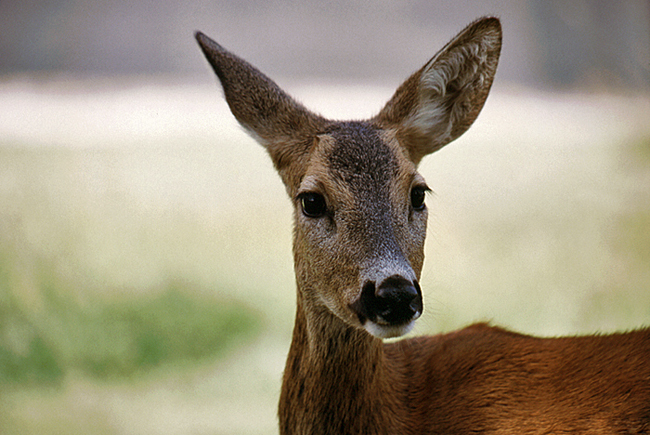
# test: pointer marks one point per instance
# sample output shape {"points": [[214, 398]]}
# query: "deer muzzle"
{"points": [[390, 306]]}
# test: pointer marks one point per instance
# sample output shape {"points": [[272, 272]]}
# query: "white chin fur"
{"points": [[385, 331]]}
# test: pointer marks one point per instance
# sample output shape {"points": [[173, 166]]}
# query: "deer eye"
{"points": [[417, 197], [313, 204]]}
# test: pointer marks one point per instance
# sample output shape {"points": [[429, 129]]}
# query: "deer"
{"points": [[360, 217]]}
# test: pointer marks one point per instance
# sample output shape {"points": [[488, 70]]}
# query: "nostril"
{"points": [[365, 306]]}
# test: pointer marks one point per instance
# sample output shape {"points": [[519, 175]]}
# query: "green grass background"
{"points": [[146, 283]]}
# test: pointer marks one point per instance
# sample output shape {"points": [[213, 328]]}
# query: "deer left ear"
{"points": [[440, 102], [282, 125]]}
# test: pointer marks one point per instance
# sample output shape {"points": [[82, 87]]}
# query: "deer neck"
{"points": [[335, 379]]}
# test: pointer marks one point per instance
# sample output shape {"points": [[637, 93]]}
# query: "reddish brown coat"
{"points": [[340, 378]]}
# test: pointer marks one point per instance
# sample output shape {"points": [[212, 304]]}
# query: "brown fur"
{"points": [[340, 378]]}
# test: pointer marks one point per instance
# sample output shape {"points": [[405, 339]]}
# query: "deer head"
{"points": [[359, 203]]}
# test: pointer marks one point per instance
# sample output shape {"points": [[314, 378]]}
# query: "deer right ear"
{"points": [[439, 102], [273, 118]]}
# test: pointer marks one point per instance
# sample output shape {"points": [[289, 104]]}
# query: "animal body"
{"points": [[359, 229]]}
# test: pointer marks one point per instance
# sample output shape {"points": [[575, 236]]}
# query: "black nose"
{"points": [[395, 301]]}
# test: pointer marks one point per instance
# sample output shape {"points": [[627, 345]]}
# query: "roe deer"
{"points": [[360, 222]]}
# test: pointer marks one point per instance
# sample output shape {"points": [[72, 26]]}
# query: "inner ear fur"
{"points": [[440, 102]]}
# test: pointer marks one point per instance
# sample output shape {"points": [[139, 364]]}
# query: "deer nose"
{"points": [[395, 301], [398, 300]]}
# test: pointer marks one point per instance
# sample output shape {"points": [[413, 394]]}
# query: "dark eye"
{"points": [[313, 204], [417, 197]]}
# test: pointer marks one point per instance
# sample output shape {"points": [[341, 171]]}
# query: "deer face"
{"points": [[360, 217], [360, 224]]}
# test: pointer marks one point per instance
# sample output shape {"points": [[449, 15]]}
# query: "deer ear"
{"points": [[272, 117], [439, 102]]}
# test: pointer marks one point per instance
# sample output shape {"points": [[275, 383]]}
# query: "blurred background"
{"points": [[146, 281]]}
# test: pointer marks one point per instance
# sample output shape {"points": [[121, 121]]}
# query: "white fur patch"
{"points": [[385, 331], [467, 65]]}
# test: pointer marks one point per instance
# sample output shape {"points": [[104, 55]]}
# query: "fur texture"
{"points": [[359, 231]]}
